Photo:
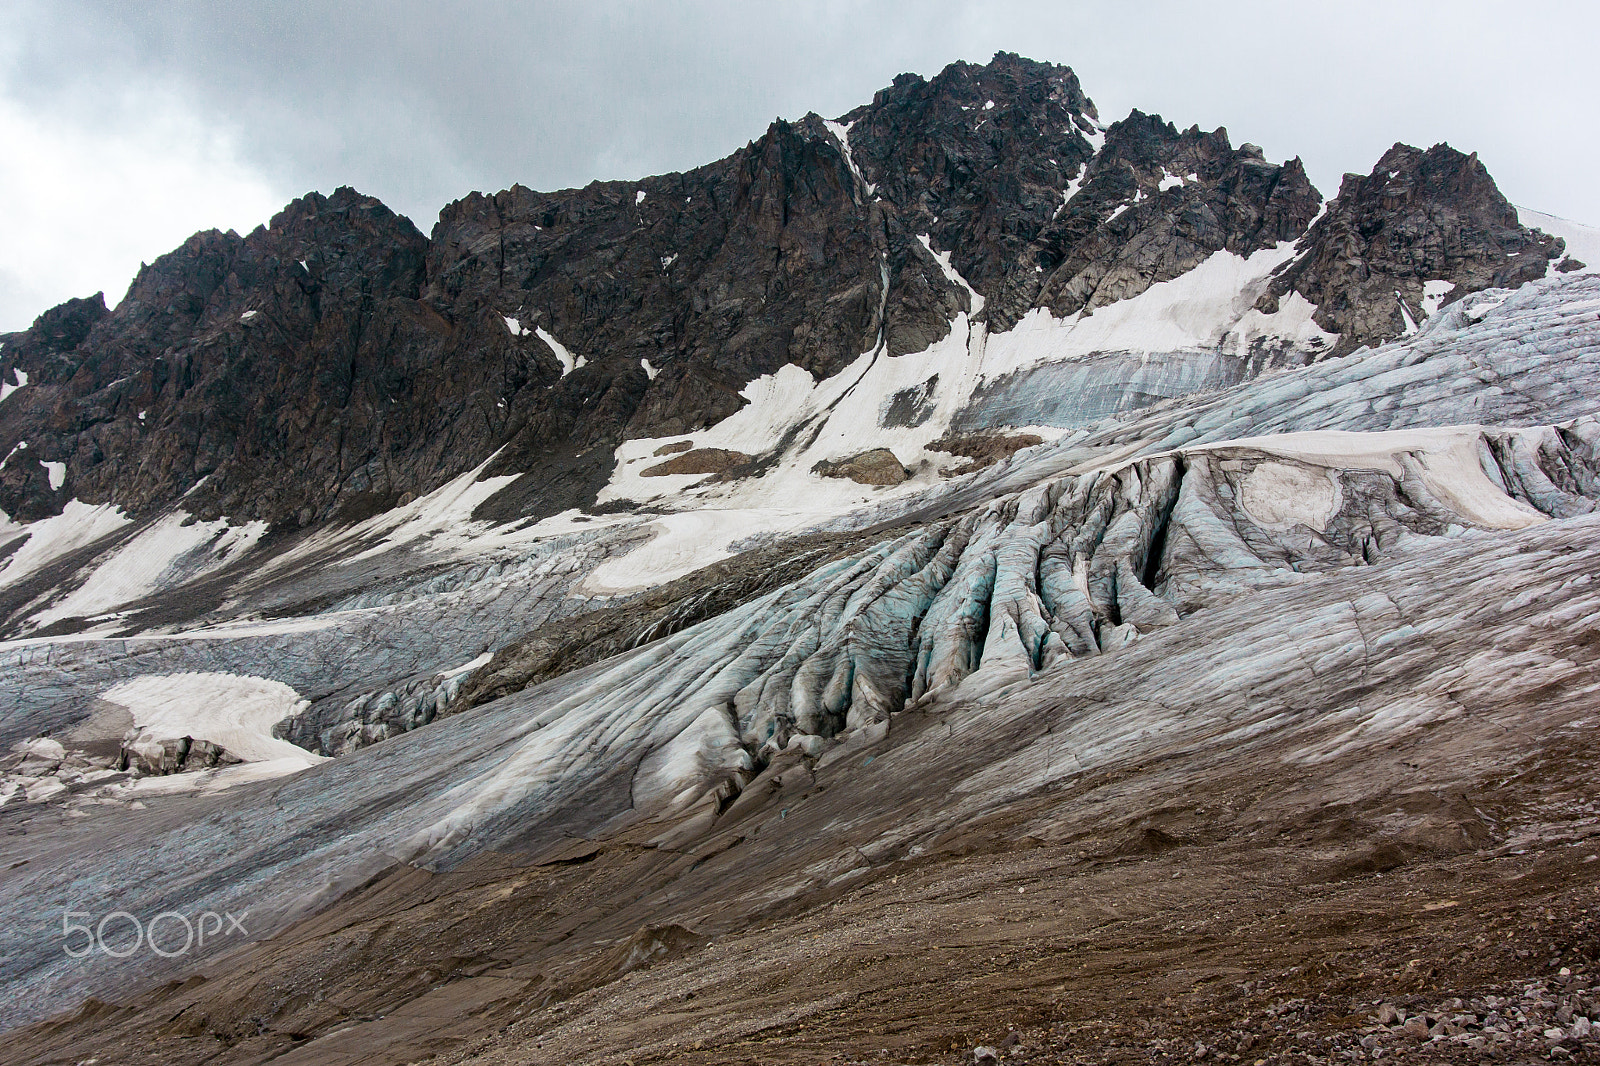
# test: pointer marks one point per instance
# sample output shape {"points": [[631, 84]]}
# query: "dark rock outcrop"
{"points": [[1419, 216], [876, 466], [171, 756], [1154, 204], [983, 449], [699, 461], [337, 361]]}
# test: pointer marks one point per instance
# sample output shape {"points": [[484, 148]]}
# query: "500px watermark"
{"points": [[169, 934]]}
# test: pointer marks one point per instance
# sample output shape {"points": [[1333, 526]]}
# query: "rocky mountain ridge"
{"points": [[337, 362]]}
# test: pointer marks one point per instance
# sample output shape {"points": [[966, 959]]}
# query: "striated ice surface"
{"points": [[1206, 571]]}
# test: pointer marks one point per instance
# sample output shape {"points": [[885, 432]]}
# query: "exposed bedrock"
{"points": [[877, 466], [324, 367], [1420, 217]]}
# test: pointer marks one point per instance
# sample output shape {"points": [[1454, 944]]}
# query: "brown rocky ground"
{"points": [[1208, 928]]}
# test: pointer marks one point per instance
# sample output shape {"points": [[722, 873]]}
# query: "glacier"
{"points": [[1238, 568]]}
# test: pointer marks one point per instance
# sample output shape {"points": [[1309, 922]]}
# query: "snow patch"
{"points": [[1071, 190], [6, 388], [248, 315], [233, 711], [1405, 314], [1583, 242], [1212, 306], [443, 516], [1174, 181], [515, 326], [466, 667], [684, 542], [1281, 496], [77, 526], [1447, 460], [569, 363], [174, 549], [841, 132], [795, 420], [56, 472], [943, 259], [208, 782], [1433, 294], [638, 198], [649, 371]]}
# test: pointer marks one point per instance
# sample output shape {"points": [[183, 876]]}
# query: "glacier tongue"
{"points": [[1129, 540], [1076, 566]]}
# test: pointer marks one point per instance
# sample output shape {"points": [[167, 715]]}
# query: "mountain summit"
{"points": [[335, 361]]}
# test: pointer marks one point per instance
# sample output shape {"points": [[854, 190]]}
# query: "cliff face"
{"points": [[337, 362], [1418, 218]]}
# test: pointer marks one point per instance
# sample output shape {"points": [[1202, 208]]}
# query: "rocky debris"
{"points": [[673, 449], [151, 756], [1541, 1018], [983, 449], [42, 770], [1420, 219], [877, 466], [701, 461], [1545, 1017]]}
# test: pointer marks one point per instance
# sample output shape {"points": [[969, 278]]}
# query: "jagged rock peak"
{"points": [[336, 360], [1006, 76], [1422, 229]]}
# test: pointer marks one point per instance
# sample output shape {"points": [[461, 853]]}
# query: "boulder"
{"points": [[700, 461], [875, 467]]}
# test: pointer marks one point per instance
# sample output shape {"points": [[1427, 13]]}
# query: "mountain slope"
{"points": [[325, 367], [565, 634], [1266, 623]]}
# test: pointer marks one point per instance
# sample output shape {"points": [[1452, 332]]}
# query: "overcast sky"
{"points": [[124, 127]]}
